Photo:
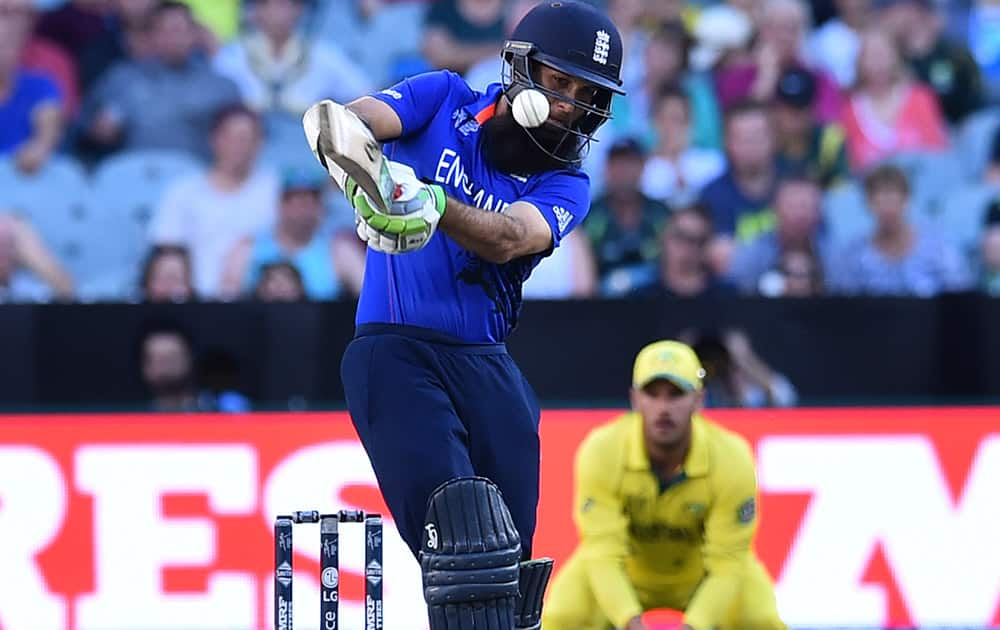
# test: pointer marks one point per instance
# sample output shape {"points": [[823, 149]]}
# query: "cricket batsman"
{"points": [[478, 187], [665, 506]]}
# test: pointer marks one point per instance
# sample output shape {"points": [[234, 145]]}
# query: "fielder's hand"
{"points": [[416, 209]]}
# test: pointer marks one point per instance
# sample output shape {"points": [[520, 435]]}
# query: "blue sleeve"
{"points": [[417, 99], [564, 201], [43, 90], [720, 208]]}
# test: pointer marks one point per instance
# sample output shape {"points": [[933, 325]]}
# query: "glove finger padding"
{"points": [[413, 195], [470, 557], [388, 233]]}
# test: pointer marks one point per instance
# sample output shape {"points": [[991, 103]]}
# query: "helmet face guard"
{"points": [[519, 73]]}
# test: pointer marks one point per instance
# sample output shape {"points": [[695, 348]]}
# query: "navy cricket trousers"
{"points": [[429, 408]]}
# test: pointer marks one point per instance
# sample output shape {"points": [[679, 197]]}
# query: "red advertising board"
{"points": [[869, 517]]}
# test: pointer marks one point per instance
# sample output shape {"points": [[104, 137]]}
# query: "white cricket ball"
{"points": [[530, 108]]}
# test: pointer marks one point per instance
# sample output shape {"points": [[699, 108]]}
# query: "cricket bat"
{"points": [[345, 146]]}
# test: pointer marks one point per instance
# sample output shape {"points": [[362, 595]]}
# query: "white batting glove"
{"points": [[416, 209]]}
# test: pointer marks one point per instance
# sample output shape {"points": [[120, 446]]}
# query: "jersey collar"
{"points": [[483, 108], [696, 463]]}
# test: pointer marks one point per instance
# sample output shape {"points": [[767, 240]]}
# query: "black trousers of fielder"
{"points": [[429, 408]]}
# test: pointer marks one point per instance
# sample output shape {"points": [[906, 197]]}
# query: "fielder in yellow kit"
{"points": [[665, 504]]}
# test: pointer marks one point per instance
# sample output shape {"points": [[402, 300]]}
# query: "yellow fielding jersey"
{"points": [[695, 529]]}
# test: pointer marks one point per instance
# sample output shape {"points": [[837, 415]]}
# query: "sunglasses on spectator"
{"points": [[691, 238]]}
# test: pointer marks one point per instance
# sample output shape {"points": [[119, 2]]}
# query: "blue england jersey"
{"points": [[443, 286]]}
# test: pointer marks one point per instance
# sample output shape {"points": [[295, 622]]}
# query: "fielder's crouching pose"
{"points": [[486, 184], [666, 508]]}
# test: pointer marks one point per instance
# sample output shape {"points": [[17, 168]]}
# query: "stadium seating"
{"points": [[57, 201], [126, 189], [932, 177], [845, 214], [975, 140], [962, 215]]}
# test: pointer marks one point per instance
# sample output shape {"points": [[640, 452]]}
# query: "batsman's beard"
{"points": [[510, 149]]}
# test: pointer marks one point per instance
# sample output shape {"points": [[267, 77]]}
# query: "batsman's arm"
{"points": [[498, 237], [380, 118]]}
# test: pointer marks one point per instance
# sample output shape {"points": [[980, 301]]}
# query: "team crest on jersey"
{"points": [[464, 123], [602, 46], [747, 511], [696, 510]]}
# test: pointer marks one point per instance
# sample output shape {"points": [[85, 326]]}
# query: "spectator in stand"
{"points": [[834, 45], [735, 375], [168, 371], [42, 56], [723, 34], [946, 66], [684, 269], [75, 25], [799, 274], [564, 275], [979, 25], [182, 378], [397, 26], [166, 101], [166, 275], [28, 270], [752, 8], [218, 21], [797, 216], [209, 212], [279, 282], [31, 121], [804, 144], [331, 265], [779, 46], [221, 382], [667, 63], [490, 69], [628, 16], [624, 225], [989, 271], [280, 72], [991, 175], [663, 64], [128, 39], [675, 171], [669, 11], [460, 33], [898, 258], [888, 112], [739, 201]]}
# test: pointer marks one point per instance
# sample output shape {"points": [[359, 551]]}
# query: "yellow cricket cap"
{"points": [[671, 360]]}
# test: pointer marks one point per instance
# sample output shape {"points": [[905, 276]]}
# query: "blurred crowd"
{"points": [[152, 150]]}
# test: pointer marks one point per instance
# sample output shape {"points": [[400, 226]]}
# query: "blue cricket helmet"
{"points": [[573, 38]]}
